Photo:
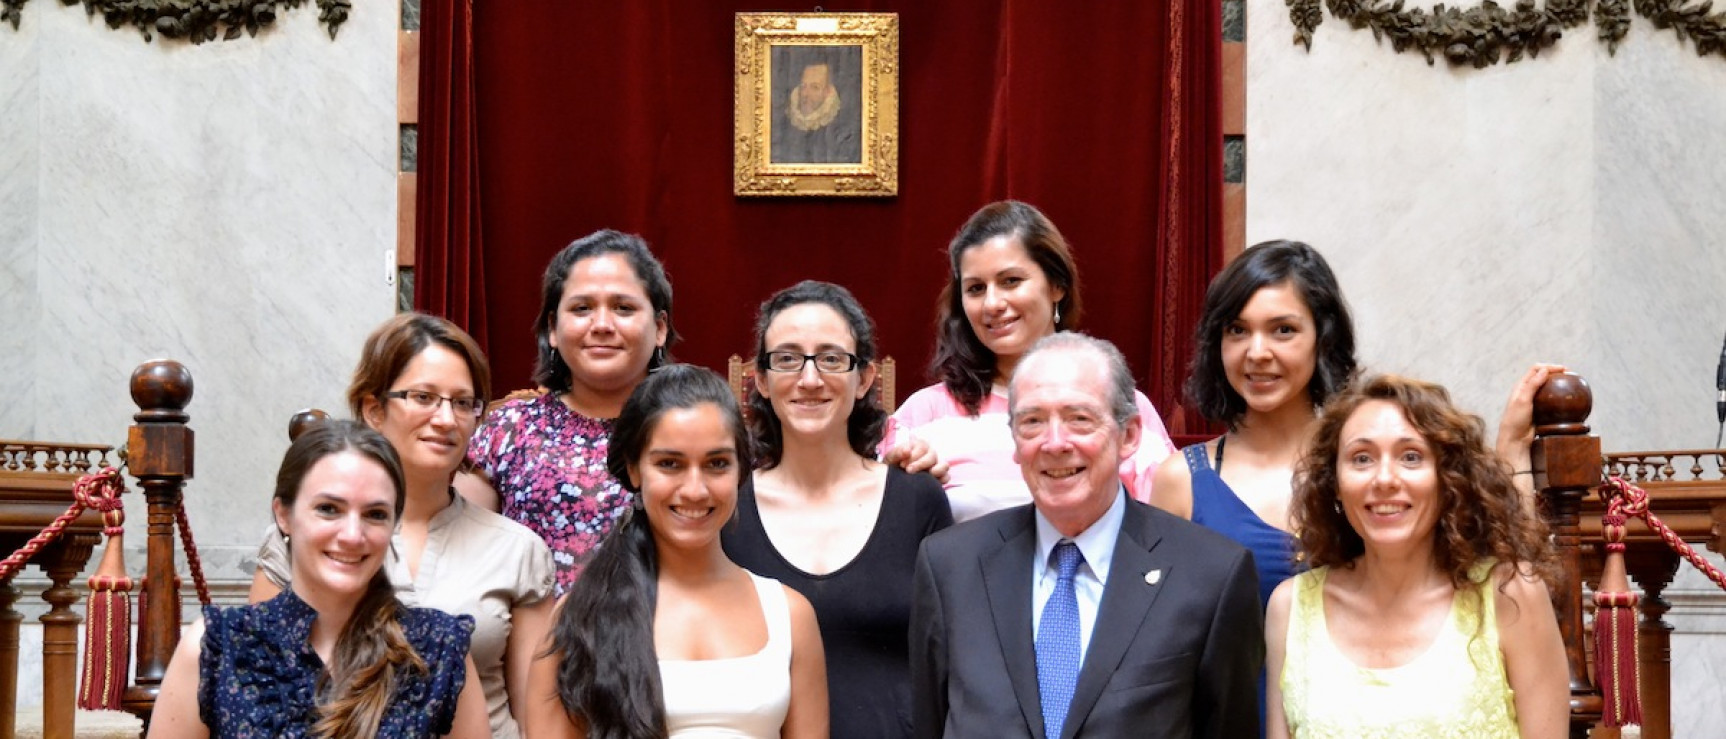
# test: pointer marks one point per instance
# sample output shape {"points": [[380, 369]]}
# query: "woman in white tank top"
{"points": [[663, 635]]}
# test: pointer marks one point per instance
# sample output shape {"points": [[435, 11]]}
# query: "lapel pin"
{"points": [[1153, 577]]}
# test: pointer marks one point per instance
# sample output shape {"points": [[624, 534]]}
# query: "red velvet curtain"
{"points": [[449, 265], [601, 114]]}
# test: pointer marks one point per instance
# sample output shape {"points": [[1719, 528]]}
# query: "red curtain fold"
{"points": [[591, 114], [1189, 200], [449, 254]]}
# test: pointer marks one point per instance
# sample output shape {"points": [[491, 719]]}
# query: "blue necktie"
{"points": [[1058, 641]]}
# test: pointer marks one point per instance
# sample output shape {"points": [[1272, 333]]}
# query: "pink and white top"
{"points": [[982, 476]]}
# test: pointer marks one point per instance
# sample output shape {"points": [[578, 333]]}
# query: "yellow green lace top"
{"points": [[1457, 688]]}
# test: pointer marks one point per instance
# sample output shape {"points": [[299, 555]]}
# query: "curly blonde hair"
{"points": [[1482, 514]]}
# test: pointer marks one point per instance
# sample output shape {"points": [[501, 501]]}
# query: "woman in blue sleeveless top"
{"points": [[1275, 340]]}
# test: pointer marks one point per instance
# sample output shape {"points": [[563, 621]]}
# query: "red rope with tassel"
{"points": [[1616, 667], [108, 611], [108, 623], [107, 635]]}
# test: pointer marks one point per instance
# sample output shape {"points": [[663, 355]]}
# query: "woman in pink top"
{"points": [[1013, 281]]}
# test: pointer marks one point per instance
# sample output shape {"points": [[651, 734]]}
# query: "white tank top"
{"points": [[736, 696]]}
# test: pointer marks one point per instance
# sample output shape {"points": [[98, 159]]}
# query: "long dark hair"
{"points": [[1263, 265], [863, 429], [549, 370], [356, 688], [608, 671], [962, 363]]}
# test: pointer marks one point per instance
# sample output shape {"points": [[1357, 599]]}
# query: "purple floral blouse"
{"points": [[547, 464]]}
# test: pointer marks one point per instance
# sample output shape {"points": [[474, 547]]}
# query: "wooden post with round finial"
{"points": [[159, 455], [303, 421], [1566, 468]]}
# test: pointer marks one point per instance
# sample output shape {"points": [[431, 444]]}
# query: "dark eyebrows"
{"points": [[333, 498], [716, 451], [828, 346]]}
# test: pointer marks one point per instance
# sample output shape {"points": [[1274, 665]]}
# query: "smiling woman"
{"points": [[1426, 611], [1273, 343], [604, 322], [336, 654], [1012, 281], [821, 515], [422, 382], [663, 635]]}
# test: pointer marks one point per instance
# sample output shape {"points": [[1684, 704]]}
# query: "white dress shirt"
{"points": [[1097, 544]]}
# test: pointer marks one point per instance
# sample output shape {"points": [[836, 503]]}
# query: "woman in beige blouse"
{"points": [[422, 382]]}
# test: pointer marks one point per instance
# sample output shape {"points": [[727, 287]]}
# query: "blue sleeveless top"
{"points": [[1216, 507]]}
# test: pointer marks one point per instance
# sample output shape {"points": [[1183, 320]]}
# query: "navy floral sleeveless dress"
{"points": [[257, 675]]}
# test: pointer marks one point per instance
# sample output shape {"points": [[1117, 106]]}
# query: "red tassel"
{"points": [[1616, 669], [108, 621], [107, 646]]}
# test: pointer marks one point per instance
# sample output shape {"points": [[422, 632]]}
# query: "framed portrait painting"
{"points": [[816, 104]]}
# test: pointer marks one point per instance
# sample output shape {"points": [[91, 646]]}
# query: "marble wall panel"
{"points": [[1660, 233], [230, 205], [1442, 198], [20, 102], [1563, 209], [1698, 617]]}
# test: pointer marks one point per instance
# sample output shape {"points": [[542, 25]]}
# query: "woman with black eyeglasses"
{"points": [[422, 382], [821, 515]]}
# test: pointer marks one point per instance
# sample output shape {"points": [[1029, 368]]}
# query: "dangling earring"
{"points": [[1057, 315], [286, 539], [658, 356], [1336, 505]]}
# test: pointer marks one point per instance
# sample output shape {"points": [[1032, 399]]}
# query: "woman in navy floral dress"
{"points": [[336, 655], [604, 322]]}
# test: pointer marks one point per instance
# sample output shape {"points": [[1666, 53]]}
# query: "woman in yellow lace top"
{"points": [[1426, 611]]}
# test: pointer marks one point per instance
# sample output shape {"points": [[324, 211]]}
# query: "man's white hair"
{"points": [[1118, 377]]}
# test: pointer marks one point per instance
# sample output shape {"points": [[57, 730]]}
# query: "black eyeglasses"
{"points": [[429, 401], [829, 362]]}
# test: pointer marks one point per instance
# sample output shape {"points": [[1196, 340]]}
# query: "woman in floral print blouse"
{"points": [[604, 322]]}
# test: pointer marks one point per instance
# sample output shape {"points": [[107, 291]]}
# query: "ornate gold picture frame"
{"points": [[817, 104]]}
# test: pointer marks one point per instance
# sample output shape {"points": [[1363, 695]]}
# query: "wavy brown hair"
{"points": [[1481, 513], [372, 650], [962, 362]]}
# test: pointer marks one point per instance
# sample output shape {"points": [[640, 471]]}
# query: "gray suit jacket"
{"points": [[1179, 658]]}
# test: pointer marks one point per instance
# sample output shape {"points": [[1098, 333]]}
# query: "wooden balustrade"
{"points": [[1687, 492], [36, 481]]}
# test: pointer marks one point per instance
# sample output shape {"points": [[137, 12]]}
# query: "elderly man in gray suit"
{"points": [[1086, 613]]}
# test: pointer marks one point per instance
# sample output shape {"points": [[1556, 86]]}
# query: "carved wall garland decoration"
{"points": [[196, 21], [1489, 33]]}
